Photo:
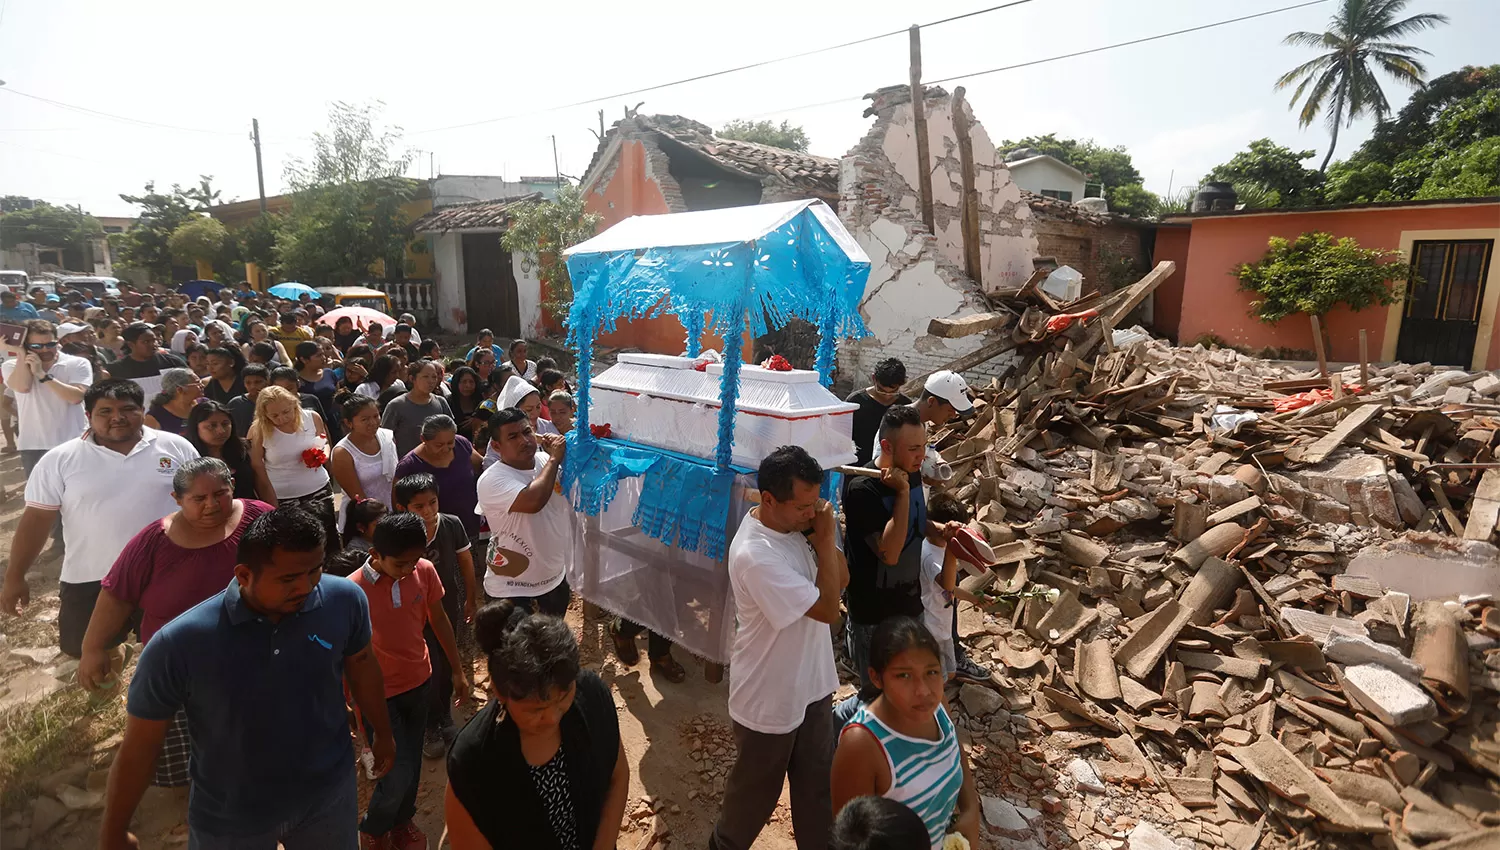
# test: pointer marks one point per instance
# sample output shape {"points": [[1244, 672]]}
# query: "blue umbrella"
{"points": [[292, 290]]}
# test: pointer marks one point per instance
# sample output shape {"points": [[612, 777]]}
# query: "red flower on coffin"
{"points": [[777, 363], [600, 431]]}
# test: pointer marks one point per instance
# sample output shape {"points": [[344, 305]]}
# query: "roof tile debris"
{"points": [[475, 215]]}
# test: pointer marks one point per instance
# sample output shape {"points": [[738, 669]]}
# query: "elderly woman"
{"points": [[168, 567], [452, 461], [542, 764], [169, 410], [289, 453]]}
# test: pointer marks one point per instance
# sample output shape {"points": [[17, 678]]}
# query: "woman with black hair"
{"points": [[385, 374], [465, 394], [225, 364], [210, 428], [516, 356], [901, 743], [541, 765], [318, 382]]}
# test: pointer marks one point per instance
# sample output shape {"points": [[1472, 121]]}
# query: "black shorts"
{"points": [[77, 609]]}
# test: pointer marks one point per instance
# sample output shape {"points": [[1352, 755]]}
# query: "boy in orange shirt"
{"points": [[405, 595]]}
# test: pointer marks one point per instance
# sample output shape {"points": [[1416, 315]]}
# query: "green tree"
{"points": [[1270, 175], [257, 241], [1099, 164], [1469, 172], [204, 195], [785, 135], [200, 239], [537, 234], [146, 246], [346, 212], [1133, 199], [1341, 84], [1315, 273], [15, 203], [50, 226]]}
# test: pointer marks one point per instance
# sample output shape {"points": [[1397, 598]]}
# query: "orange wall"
{"points": [[1213, 303], [631, 191], [1166, 312]]}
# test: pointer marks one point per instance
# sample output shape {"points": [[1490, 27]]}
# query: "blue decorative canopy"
{"points": [[727, 271]]}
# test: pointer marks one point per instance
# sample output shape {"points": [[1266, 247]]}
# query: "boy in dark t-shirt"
{"points": [[883, 393]]}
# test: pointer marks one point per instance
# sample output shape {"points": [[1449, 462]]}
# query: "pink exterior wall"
{"points": [[1212, 302], [1166, 313]]}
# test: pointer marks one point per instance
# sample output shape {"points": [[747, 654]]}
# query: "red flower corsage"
{"points": [[777, 363], [700, 366], [314, 458], [600, 431]]}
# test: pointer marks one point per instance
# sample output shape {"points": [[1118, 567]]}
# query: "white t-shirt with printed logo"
{"points": [[106, 497], [46, 419], [528, 553], [782, 660]]}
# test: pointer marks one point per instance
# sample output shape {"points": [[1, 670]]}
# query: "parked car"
{"points": [[94, 287], [334, 297], [18, 281]]}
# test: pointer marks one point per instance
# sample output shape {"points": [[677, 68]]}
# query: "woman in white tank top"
{"points": [[289, 452], [364, 462]]}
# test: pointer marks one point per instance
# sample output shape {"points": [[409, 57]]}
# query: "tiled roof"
{"points": [[476, 215], [817, 175]]}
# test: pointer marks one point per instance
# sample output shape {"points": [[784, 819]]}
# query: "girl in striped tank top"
{"points": [[901, 743]]}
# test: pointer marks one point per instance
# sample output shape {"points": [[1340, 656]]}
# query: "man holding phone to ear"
{"points": [[49, 387]]}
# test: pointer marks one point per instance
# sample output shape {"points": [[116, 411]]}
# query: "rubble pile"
{"points": [[1272, 617]]}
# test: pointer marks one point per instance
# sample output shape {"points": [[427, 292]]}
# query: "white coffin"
{"points": [[661, 400]]}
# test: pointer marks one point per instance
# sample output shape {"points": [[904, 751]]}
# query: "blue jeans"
{"points": [[394, 800], [325, 823]]}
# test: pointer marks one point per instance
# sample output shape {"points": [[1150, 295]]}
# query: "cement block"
{"points": [[1392, 699], [1003, 817], [1353, 649]]}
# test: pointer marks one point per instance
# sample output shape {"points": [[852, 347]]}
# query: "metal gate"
{"points": [[1443, 300]]}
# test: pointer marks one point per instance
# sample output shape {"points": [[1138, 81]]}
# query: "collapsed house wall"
{"points": [[915, 275]]}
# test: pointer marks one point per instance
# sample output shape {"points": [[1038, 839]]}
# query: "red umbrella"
{"points": [[362, 317]]}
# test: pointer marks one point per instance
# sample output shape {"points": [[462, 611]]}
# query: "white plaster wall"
{"points": [[529, 297], [1008, 243], [452, 301], [448, 189], [1040, 174]]}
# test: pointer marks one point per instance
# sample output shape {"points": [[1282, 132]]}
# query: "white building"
{"points": [[1048, 176]]}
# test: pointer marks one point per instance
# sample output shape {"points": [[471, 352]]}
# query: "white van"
{"points": [[18, 282]]}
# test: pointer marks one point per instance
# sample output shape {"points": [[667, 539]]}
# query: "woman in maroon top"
{"points": [[168, 567]]}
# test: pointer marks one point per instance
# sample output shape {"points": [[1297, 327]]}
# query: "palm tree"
{"points": [[1342, 81]]}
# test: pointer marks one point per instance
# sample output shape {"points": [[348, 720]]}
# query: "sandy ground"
{"points": [[676, 737]]}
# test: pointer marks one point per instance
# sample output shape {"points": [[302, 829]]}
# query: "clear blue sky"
{"points": [[1180, 105]]}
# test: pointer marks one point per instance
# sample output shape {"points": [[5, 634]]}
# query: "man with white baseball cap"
{"points": [[945, 396]]}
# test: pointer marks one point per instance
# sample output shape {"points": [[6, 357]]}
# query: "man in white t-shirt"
{"points": [[49, 388], [106, 485], [531, 523], [786, 572]]}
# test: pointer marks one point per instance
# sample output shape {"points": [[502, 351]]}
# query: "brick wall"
{"points": [[1090, 247]]}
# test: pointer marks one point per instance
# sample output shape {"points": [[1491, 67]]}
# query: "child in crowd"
{"points": [[406, 598], [878, 823], [940, 576], [447, 547], [902, 744], [359, 523]]}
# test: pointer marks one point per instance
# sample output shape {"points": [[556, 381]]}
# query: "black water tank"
{"points": [[1215, 197]]}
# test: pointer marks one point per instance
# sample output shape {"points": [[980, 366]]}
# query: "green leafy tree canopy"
{"points": [[1109, 166], [1269, 175], [347, 201], [147, 245], [785, 135], [200, 238], [1341, 84], [50, 226], [537, 234], [1316, 272]]}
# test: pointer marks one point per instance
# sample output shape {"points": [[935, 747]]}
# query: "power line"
{"points": [[137, 121], [711, 74], [1056, 58]]}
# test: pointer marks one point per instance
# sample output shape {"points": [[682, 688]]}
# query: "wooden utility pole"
{"points": [[973, 264], [919, 126], [556, 169], [260, 177]]}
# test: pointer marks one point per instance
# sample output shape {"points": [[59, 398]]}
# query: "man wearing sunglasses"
{"points": [[49, 388]]}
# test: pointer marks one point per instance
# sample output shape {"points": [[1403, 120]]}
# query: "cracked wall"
{"points": [[916, 275]]}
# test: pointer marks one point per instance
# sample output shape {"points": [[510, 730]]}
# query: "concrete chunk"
{"points": [[1003, 817], [1386, 695], [1356, 649]]}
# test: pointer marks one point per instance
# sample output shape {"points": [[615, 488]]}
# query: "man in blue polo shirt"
{"points": [[259, 669]]}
